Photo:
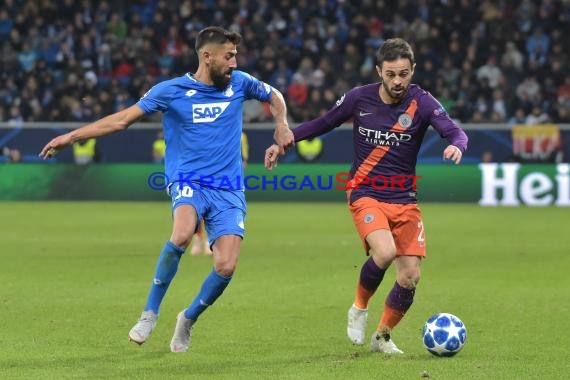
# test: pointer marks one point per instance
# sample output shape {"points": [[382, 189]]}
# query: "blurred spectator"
{"points": [[426, 74], [309, 150], [537, 116], [499, 106], [450, 76], [298, 91], [512, 57], [525, 13], [446, 100], [15, 118], [281, 77], [10, 155], [116, 28], [27, 58], [490, 72], [244, 149], [487, 157], [563, 93], [537, 46], [158, 148], [562, 115], [518, 118], [253, 112], [6, 24], [489, 11], [85, 152], [461, 110], [528, 91]]}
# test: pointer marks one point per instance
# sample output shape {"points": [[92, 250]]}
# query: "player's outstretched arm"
{"points": [[272, 155], [452, 153], [109, 124], [283, 135]]}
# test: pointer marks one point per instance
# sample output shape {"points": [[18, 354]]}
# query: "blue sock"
{"points": [[212, 287], [165, 270]]}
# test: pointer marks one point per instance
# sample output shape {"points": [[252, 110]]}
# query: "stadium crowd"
{"points": [[486, 61]]}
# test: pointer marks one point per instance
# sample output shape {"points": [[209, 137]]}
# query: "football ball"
{"points": [[444, 334]]}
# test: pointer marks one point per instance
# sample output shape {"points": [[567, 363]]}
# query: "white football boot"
{"points": [[182, 334], [356, 327], [143, 328], [381, 342]]}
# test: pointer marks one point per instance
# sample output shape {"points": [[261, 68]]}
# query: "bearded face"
{"points": [[221, 76], [396, 78], [397, 93], [222, 63]]}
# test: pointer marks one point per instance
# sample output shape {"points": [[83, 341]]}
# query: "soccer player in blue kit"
{"points": [[202, 121]]}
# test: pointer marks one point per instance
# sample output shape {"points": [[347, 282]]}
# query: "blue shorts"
{"points": [[223, 211]]}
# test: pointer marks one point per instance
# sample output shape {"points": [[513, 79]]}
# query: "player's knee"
{"points": [[181, 238], [409, 278], [383, 255], [225, 268]]}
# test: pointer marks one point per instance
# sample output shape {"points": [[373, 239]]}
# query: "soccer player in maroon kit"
{"points": [[390, 119]]}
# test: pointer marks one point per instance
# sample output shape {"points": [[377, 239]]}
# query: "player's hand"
{"points": [[55, 145], [452, 153], [272, 155], [283, 137]]}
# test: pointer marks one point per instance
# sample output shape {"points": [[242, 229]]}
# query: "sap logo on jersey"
{"points": [[205, 113]]}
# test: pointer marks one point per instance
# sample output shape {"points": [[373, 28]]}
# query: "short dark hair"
{"points": [[216, 35], [394, 49]]}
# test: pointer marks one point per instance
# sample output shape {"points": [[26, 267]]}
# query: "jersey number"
{"points": [[421, 235], [186, 191]]}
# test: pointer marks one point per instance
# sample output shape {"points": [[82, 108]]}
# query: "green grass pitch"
{"points": [[74, 277]]}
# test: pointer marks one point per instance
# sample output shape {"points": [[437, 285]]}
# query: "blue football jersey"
{"points": [[202, 127]]}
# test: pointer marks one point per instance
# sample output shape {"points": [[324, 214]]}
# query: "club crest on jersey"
{"points": [[368, 218], [206, 113], [405, 120], [229, 92]]}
